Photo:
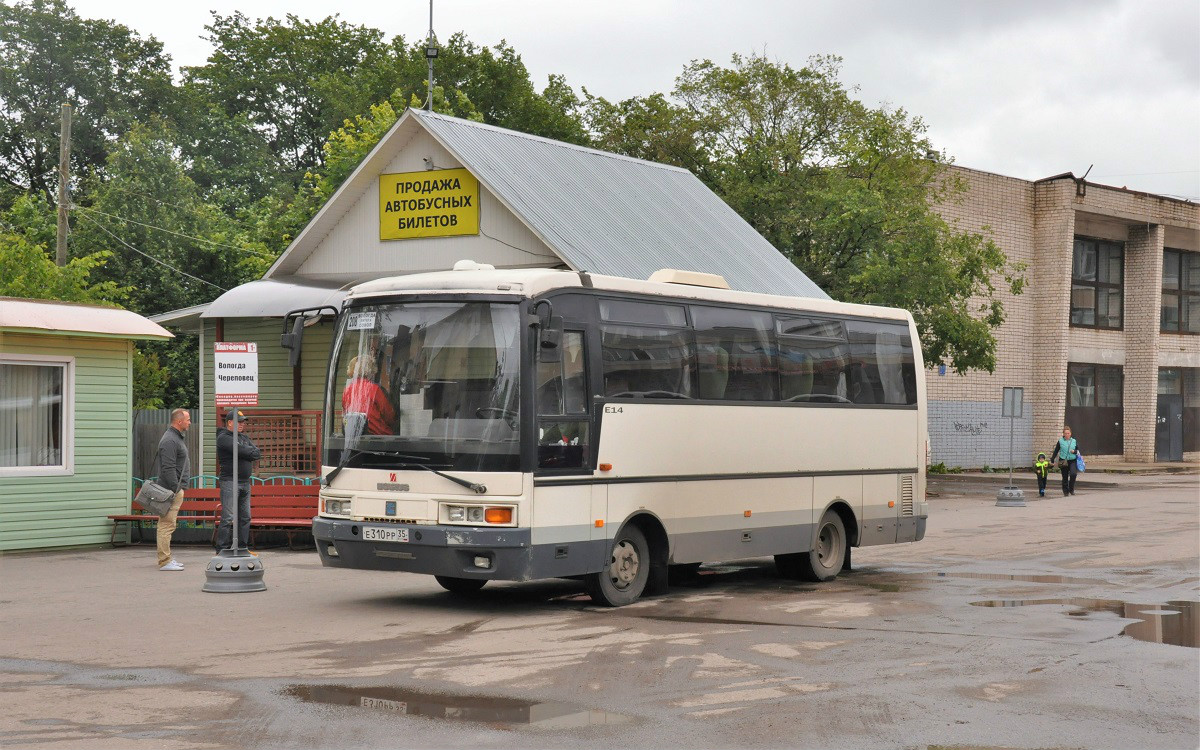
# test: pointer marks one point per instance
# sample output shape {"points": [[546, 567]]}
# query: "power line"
{"points": [[151, 257], [177, 234]]}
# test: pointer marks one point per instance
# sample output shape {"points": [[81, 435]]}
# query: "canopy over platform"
{"points": [[75, 319]]}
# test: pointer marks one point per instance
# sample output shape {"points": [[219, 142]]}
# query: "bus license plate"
{"points": [[379, 534]]}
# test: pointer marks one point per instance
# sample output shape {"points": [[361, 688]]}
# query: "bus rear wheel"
{"points": [[624, 578], [824, 561], [460, 585]]}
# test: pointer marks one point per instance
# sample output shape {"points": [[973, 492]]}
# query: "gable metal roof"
{"points": [[615, 215]]}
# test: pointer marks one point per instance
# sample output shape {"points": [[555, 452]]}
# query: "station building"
{"points": [[436, 190], [1105, 337]]}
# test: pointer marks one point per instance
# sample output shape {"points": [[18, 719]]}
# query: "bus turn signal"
{"points": [[498, 515]]}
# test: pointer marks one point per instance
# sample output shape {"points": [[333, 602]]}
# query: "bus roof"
{"points": [[534, 282]]}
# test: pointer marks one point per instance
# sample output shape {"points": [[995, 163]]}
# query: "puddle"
{"points": [[1025, 578], [1175, 623], [480, 708]]}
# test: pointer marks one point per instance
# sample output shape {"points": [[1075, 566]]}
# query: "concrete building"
{"points": [[1105, 336], [66, 420]]}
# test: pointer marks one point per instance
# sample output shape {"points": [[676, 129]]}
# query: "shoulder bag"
{"points": [[154, 497]]}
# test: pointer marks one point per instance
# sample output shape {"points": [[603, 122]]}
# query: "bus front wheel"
{"points": [[624, 578], [824, 561], [460, 585]]}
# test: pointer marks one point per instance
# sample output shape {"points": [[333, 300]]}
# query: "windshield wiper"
{"points": [[352, 453], [475, 487], [478, 489]]}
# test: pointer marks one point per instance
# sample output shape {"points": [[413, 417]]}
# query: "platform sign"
{"points": [[235, 367]]}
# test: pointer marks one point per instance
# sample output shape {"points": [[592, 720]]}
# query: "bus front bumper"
{"points": [[455, 551]]}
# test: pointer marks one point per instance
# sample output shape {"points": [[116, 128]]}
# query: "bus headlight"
{"points": [[337, 507], [478, 514]]}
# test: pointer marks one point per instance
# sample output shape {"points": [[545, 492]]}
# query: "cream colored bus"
{"points": [[512, 425]]}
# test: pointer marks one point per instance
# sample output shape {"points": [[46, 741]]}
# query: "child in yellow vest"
{"points": [[1041, 467]]}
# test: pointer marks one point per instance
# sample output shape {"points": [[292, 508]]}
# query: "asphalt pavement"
{"points": [[1071, 622]]}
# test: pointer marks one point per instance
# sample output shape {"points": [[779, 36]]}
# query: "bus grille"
{"points": [[906, 494], [390, 519]]}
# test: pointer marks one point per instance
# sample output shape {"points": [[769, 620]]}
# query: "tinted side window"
{"points": [[814, 360], [642, 313], [735, 353], [647, 362], [881, 363]]}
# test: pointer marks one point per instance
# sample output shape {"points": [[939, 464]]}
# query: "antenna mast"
{"points": [[431, 51]]}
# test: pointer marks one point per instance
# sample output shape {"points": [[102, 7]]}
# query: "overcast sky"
{"points": [[1027, 88]]}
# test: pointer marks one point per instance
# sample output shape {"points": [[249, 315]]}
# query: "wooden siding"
{"points": [[70, 510], [353, 250], [274, 374]]}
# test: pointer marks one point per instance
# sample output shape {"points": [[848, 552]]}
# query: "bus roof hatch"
{"points": [[690, 278]]}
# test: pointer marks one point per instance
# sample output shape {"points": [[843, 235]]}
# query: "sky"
{"points": [[1025, 88]]}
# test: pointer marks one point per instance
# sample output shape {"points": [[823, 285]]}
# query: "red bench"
{"points": [[199, 505], [284, 507]]}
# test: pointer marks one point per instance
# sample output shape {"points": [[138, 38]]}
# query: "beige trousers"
{"points": [[166, 527]]}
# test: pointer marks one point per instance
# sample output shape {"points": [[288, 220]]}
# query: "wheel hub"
{"points": [[624, 568]]}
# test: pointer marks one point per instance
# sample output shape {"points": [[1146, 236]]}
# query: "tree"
{"points": [[49, 57], [27, 271], [294, 81], [170, 246], [846, 191]]}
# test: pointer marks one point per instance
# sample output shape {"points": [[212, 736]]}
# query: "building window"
{"points": [[1180, 292], [1097, 276], [35, 416], [1094, 385]]}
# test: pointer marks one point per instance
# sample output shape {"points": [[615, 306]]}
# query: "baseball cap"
{"points": [[229, 415]]}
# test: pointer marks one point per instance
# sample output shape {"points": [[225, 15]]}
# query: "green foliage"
{"points": [[149, 204], [941, 468], [844, 190], [149, 380], [292, 81], [27, 270], [49, 56]]}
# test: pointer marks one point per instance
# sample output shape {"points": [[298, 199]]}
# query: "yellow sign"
{"points": [[438, 203]]}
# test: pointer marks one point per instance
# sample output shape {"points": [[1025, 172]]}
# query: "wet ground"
{"points": [[1070, 623]]}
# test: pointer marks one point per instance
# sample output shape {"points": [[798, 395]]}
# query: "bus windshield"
{"points": [[433, 383]]}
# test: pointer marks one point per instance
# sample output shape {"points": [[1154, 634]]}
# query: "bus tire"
{"points": [[460, 585], [624, 578], [824, 561]]}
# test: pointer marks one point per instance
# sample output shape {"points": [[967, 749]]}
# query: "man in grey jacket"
{"points": [[174, 473]]}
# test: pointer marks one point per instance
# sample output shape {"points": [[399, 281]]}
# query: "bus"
{"points": [[483, 425]]}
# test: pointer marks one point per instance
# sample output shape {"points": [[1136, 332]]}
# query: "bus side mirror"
{"points": [[550, 341], [293, 341], [296, 319]]}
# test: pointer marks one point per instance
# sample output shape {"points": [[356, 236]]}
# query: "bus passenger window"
{"points": [[814, 361], [645, 362], [736, 359], [883, 370]]}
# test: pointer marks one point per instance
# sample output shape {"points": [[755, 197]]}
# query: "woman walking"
{"points": [[1066, 451]]}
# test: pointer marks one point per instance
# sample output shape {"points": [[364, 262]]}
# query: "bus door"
{"points": [[566, 431]]}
